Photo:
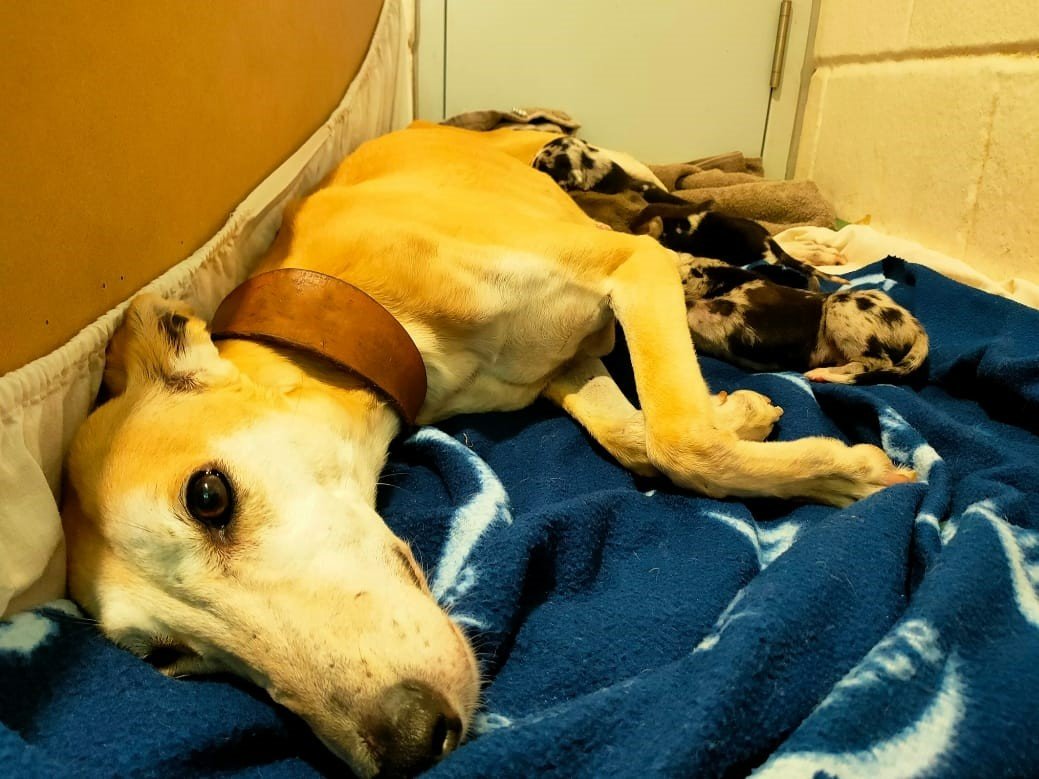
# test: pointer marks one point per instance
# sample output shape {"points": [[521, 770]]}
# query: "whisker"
{"points": [[394, 486], [84, 620]]}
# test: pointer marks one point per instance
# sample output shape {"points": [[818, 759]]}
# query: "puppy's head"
{"points": [[215, 523]]}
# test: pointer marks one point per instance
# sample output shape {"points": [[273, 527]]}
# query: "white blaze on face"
{"points": [[306, 592]]}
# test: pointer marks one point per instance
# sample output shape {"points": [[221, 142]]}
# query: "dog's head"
{"points": [[220, 522]]}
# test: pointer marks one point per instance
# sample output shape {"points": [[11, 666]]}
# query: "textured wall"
{"points": [[924, 114]]}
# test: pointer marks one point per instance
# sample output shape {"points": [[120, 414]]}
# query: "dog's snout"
{"points": [[413, 729]]}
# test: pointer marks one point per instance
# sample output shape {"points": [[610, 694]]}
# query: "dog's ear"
{"points": [[660, 211], [654, 227], [161, 341], [668, 211]]}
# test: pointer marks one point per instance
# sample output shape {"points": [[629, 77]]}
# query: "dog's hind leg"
{"points": [[684, 439]]}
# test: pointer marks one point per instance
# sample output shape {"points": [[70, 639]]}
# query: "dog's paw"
{"points": [[865, 470], [750, 415]]}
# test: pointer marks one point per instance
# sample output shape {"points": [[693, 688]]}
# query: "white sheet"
{"points": [[860, 245], [43, 403]]}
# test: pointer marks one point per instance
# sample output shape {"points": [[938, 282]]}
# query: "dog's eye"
{"points": [[163, 656], [210, 499]]}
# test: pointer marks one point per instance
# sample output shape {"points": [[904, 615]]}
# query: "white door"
{"points": [[666, 80]]}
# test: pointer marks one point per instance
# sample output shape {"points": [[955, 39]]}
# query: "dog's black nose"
{"points": [[414, 728]]}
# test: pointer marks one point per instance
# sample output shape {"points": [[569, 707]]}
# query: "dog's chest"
{"points": [[500, 327]]}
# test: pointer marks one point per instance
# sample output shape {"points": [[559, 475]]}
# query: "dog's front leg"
{"points": [[684, 439], [586, 391]]}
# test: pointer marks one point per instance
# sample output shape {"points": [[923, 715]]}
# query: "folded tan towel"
{"points": [[736, 186], [776, 205], [547, 119], [732, 162]]}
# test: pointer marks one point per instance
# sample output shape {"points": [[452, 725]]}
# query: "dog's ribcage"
{"points": [[533, 318]]}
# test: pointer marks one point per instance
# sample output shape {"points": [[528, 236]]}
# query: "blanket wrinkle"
{"points": [[624, 629]]}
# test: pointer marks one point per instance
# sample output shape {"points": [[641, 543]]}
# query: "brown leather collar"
{"points": [[327, 317]]}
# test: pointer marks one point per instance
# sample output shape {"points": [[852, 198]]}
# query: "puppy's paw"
{"points": [[750, 415], [830, 376], [829, 256], [814, 253]]}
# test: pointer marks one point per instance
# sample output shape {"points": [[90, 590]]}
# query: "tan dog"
{"points": [[219, 513]]}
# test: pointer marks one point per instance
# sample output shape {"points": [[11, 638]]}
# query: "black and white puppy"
{"points": [[850, 337], [692, 229]]}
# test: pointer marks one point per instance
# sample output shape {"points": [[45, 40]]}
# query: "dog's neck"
{"points": [[339, 399]]}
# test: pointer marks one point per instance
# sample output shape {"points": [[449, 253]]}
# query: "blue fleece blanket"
{"points": [[629, 629]]}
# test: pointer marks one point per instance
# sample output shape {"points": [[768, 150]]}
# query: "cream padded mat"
{"points": [[43, 403]]}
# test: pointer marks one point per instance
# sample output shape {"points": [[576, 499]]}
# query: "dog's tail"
{"points": [[780, 257], [909, 365], [916, 356]]}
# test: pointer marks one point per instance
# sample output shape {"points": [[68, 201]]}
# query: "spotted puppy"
{"points": [[850, 337], [685, 227], [575, 164]]}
